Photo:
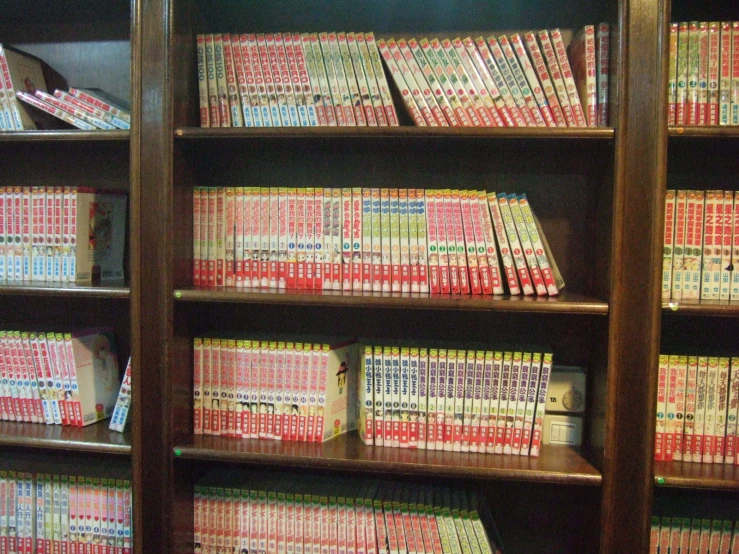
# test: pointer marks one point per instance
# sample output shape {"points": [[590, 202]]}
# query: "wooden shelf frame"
{"points": [[565, 303], [703, 132], [312, 133], [683, 475], [93, 439], [347, 453], [161, 138], [708, 308], [106, 290], [65, 135]]}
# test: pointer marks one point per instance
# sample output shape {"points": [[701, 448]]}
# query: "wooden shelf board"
{"points": [[347, 452], [703, 131], [724, 308], [109, 289], [395, 132], [571, 303], [696, 476], [93, 438], [65, 135]]}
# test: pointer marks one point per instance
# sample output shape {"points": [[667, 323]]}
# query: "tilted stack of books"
{"points": [[521, 81]]}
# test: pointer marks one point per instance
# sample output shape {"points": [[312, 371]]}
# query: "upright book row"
{"points": [[46, 514], [61, 234], [697, 409], [704, 73], [58, 378], [292, 80], [276, 514], [280, 389], [497, 82], [460, 400], [383, 240], [693, 535], [701, 245]]}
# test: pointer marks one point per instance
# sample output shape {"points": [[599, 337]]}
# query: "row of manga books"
{"points": [[119, 419], [461, 400], [274, 514], [22, 78], [299, 389], [697, 409], [701, 245], [502, 82], [383, 240], [292, 80], [45, 514], [704, 73], [61, 234], [693, 535], [58, 378]]}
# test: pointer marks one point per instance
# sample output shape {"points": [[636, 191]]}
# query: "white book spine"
{"points": [[734, 291], [725, 70], [372, 80], [728, 226], [510, 80], [668, 244], [535, 85], [224, 109], [351, 80], [363, 85], [473, 88], [387, 99], [521, 81], [310, 42], [341, 79], [549, 54], [214, 118], [260, 57], [302, 82], [254, 81]]}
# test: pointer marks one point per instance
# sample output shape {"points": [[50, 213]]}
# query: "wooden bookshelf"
{"points": [[348, 453], [598, 192], [94, 439], [717, 477]]}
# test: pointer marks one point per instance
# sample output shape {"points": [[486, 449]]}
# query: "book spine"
{"points": [[732, 414], [681, 93], [734, 73], [703, 70], [387, 100], [346, 239], [10, 93], [728, 225], [734, 292], [481, 101], [668, 244], [560, 86], [709, 432], [548, 86], [679, 248], [244, 79], [603, 48], [422, 87], [422, 364], [400, 81], [521, 81], [405, 396], [535, 85], [546, 368], [355, 97], [693, 74], [659, 437], [526, 245], [725, 68], [583, 64], [564, 64], [690, 403], [277, 78], [509, 79], [714, 69], [232, 84], [356, 240], [224, 111], [378, 432], [290, 83], [372, 81], [277, 109], [344, 93], [722, 398], [364, 88], [700, 409], [74, 111], [56, 112]]}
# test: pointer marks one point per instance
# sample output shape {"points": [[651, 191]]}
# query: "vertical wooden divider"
{"points": [[634, 327]]}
